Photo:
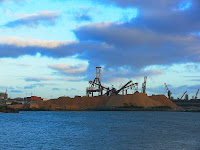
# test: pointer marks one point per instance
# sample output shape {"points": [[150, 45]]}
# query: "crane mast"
{"points": [[169, 93], [144, 85], [95, 86]]}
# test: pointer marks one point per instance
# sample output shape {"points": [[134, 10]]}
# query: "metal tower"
{"points": [[169, 93], [95, 86], [144, 85]]}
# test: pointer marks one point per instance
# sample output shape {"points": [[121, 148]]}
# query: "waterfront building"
{"points": [[3, 96]]}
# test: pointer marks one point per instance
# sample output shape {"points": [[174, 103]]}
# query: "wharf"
{"points": [[187, 103]]}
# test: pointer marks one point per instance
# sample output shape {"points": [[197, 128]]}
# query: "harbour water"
{"points": [[100, 130]]}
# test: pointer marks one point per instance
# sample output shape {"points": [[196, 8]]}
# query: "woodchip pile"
{"points": [[136, 99], [76, 103]]}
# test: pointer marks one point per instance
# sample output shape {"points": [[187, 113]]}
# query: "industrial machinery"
{"points": [[169, 93], [144, 85], [183, 95], [133, 86], [114, 91], [196, 94], [95, 86]]}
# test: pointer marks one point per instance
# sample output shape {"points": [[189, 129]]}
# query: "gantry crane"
{"points": [[169, 93], [95, 86]]}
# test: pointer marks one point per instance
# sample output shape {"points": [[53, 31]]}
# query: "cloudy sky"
{"points": [[50, 48]]}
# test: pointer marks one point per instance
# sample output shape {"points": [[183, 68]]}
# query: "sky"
{"points": [[51, 48]]}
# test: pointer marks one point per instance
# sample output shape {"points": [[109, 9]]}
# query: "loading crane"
{"points": [[196, 94], [144, 85], [183, 95], [95, 86], [169, 93]]}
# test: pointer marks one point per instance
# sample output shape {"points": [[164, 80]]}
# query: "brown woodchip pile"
{"points": [[136, 99], [164, 100], [81, 102]]}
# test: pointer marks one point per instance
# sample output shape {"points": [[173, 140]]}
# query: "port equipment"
{"points": [[95, 86], [144, 85], [114, 91], [123, 87], [133, 86], [183, 95], [196, 94], [169, 93]]}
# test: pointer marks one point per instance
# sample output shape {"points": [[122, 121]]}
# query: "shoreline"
{"points": [[158, 109], [6, 109]]}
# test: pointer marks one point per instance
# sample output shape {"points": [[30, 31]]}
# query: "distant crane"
{"points": [[183, 95], [95, 86], [144, 85], [196, 94], [169, 93]]}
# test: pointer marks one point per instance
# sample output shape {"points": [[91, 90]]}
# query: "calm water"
{"points": [[100, 130]]}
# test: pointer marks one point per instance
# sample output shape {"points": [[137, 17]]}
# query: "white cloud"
{"points": [[38, 79], [33, 20], [42, 13], [69, 69], [19, 42]]}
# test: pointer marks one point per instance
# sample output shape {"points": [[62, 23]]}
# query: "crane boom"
{"points": [[196, 94], [124, 86], [91, 82], [183, 94], [134, 84], [166, 87]]}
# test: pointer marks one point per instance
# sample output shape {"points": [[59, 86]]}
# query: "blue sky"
{"points": [[50, 48]]}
